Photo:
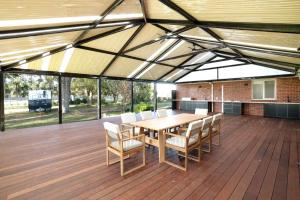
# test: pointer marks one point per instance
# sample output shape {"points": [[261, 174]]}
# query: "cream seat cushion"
{"points": [[180, 141], [127, 145]]}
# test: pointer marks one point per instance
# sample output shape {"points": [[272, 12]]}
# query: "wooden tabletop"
{"points": [[167, 122]]}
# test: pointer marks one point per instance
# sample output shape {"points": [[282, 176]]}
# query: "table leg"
{"points": [[161, 148]]}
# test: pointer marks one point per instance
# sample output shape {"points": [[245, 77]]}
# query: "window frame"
{"points": [[264, 82]]}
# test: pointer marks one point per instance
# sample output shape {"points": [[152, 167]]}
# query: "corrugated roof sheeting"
{"points": [[112, 42], [262, 11]]}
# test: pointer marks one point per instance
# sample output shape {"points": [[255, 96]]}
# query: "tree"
{"points": [[66, 93], [84, 87], [142, 92]]}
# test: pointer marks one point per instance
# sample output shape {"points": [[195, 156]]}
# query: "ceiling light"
{"points": [[174, 75]]}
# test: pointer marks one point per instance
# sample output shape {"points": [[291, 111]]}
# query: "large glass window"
{"points": [[143, 96], [30, 100], [164, 95], [116, 97], [79, 99], [263, 89]]}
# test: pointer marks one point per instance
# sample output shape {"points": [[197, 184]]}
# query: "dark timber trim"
{"points": [[123, 55], [60, 114], [251, 48], [155, 96], [137, 31], [143, 7], [132, 102], [2, 92], [48, 73], [99, 81], [158, 39]]}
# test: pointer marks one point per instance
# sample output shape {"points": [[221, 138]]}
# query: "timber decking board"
{"points": [[258, 158]]}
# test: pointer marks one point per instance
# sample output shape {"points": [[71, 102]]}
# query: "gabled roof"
{"points": [[155, 40]]}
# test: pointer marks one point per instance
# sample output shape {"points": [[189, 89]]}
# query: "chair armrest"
{"points": [[123, 126], [126, 133], [136, 137]]}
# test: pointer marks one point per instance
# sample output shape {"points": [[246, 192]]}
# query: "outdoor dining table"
{"points": [[162, 124]]}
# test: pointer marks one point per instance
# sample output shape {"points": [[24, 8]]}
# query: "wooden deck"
{"points": [[258, 158]]}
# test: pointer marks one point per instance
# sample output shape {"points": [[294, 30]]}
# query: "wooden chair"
{"points": [[162, 113], [216, 127], [206, 133], [128, 118], [201, 111], [122, 146], [145, 115], [185, 143]]}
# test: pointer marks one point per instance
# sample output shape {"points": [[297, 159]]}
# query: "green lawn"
{"points": [[32, 119], [20, 117]]}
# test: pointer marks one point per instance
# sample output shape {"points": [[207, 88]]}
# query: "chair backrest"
{"points": [[162, 113], [201, 111], [146, 115], [194, 128], [217, 119], [112, 130], [207, 123], [169, 112], [128, 117]]}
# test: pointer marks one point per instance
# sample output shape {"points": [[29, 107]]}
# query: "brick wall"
{"points": [[286, 89]]}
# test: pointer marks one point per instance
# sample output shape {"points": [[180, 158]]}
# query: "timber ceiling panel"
{"points": [[271, 57], [273, 40], [261, 11], [87, 62], [123, 67], [175, 74], [155, 72], [112, 42], [197, 33], [177, 61], [129, 9], [157, 10], [149, 51], [148, 33], [172, 27], [97, 31], [15, 14], [34, 44]]}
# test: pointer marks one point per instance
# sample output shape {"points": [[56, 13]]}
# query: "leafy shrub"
{"points": [[143, 107]]}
